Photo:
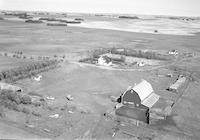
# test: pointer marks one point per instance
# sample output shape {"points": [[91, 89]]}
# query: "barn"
{"points": [[140, 95]]}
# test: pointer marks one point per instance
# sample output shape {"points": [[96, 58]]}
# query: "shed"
{"points": [[141, 64], [173, 52], [140, 95], [179, 82], [37, 78], [5, 86]]}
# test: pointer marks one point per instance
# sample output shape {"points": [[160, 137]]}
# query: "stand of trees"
{"points": [[17, 102], [28, 70], [130, 52], [129, 17], [140, 54]]}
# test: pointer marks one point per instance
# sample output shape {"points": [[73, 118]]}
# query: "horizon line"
{"points": [[98, 13]]}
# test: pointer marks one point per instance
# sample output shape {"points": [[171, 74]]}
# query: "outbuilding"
{"points": [[5, 86], [37, 78], [179, 82], [173, 52], [136, 102], [140, 95]]}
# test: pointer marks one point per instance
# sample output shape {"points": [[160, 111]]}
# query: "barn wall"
{"points": [[134, 113], [131, 97]]}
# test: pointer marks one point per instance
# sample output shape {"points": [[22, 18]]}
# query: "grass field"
{"points": [[8, 63]]}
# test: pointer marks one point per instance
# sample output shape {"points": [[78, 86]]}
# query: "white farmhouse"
{"points": [[105, 61]]}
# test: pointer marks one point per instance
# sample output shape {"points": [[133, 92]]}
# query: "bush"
{"points": [[98, 52], [14, 97], [56, 24], [121, 59], [17, 108], [26, 71], [36, 104], [26, 110], [50, 108], [10, 104], [140, 54], [36, 114], [32, 93], [85, 60], [129, 17], [80, 19], [2, 113], [26, 99], [88, 60], [33, 21], [43, 18], [6, 104]]}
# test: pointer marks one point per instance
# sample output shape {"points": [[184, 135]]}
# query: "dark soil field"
{"points": [[90, 112]]}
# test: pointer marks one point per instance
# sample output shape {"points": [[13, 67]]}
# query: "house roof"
{"points": [[143, 89], [106, 58]]}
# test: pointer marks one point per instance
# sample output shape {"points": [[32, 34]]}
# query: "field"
{"points": [[8, 63], [89, 115]]}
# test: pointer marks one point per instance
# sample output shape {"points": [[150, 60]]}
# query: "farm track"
{"points": [[118, 69]]}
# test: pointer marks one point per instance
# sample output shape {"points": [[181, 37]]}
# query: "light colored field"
{"points": [[41, 39]]}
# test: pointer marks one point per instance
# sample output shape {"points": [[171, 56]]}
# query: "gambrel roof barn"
{"points": [[141, 94]]}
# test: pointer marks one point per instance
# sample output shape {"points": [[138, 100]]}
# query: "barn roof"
{"points": [[143, 89], [150, 100]]}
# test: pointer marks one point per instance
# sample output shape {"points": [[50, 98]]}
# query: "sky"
{"points": [[147, 7]]}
